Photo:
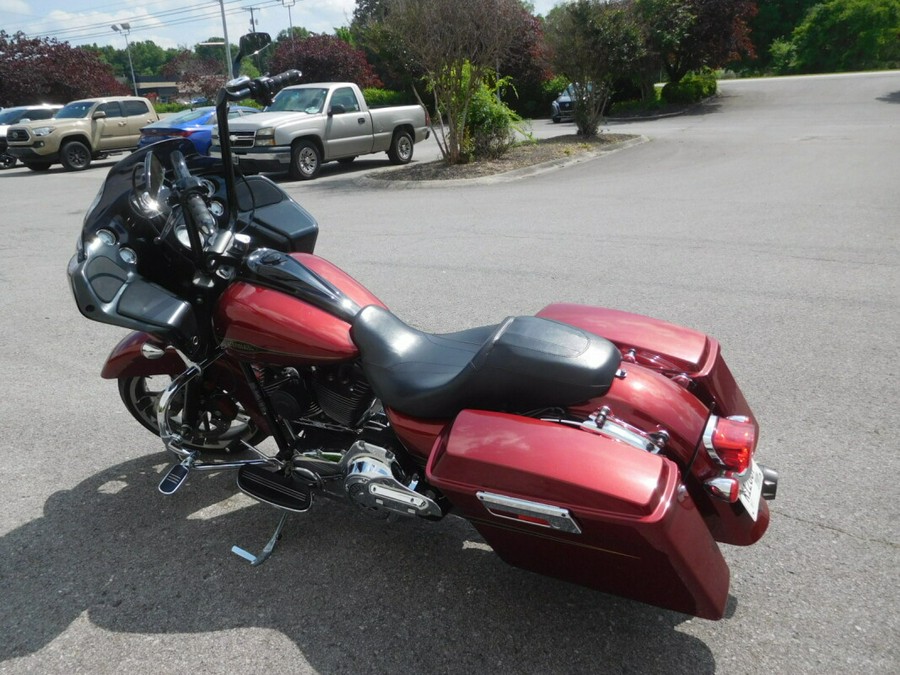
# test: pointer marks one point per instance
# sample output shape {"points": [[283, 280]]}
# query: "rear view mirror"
{"points": [[250, 44]]}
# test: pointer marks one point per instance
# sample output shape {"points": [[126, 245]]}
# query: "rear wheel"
{"points": [[223, 423], [7, 161], [75, 156], [401, 150], [306, 160]]}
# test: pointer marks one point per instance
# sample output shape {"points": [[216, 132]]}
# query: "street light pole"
{"points": [[125, 29], [228, 66]]}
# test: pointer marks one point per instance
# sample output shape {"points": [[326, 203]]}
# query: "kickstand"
{"points": [[267, 551]]}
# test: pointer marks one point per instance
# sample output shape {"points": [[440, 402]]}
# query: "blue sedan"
{"points": [[196, 125]]}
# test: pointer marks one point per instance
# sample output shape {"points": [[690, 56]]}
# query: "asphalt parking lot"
{"points": [[767, 218]]}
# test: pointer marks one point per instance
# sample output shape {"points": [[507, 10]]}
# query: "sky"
{"points": [[174, 23]]}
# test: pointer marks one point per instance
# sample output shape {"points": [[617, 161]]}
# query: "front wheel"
{"points": [[37, 166], [306, 160], [75, 156], [7, 161], [401, 150], [222, 422]]}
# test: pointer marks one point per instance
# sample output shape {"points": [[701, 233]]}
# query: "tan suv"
{"points": [[82, 131]]}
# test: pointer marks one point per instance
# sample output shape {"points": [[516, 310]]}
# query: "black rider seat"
{"points": [[524, 364]]}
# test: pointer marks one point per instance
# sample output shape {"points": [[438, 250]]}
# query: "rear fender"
{"points": [[127, 360], [654, 341], [691, 359], [675, 378]]}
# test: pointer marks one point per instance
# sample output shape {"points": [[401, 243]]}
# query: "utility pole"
{"points": [[252, 17], [289, 4], [253, 27]]}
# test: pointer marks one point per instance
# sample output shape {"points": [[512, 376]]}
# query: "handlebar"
{"points": [[260, 89], [189, 191]]}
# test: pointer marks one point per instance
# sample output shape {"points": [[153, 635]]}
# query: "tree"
{"points": [[527, 66], [323, 58], [693, 34], [388, 58], [843, 35], [299, 33], [212, 49], [594, 45], [197, 77], [775, 19], [43, 70], [456, 44]]}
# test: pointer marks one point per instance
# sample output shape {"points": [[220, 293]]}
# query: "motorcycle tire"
{"points": [[7, 161], [218, 434]]}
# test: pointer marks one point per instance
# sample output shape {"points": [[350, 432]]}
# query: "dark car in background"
{"points": [[195, 125], [563, 108]]}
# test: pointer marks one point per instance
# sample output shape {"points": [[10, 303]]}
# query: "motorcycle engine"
{"points": [[340, 393], [343, 393]]}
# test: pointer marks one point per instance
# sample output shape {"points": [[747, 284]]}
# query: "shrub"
{"points": [[692, 88], [378, 98], [491, 125], [551, 89], [163, 108]]}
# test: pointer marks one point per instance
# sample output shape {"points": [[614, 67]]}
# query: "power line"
{"points": [[156, 22]]}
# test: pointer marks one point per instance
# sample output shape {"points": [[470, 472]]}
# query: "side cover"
{"points": [[580, 507]]}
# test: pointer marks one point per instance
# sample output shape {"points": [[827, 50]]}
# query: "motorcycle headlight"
{"points": [[42, 131]]}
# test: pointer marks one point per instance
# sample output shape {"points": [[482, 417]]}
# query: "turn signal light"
{"points": [[730, 441], [724, 487]]}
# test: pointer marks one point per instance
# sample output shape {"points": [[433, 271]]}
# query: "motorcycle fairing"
{"points": [[109, 289], [525, 363], [641, 536]]}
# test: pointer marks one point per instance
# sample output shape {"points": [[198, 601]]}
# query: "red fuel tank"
{"points": [[260, 323]]}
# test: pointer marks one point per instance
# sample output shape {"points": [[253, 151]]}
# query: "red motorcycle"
{"points": [[593, 445]]}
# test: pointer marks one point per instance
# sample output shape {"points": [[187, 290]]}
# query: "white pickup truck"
{"points": [[310, 124]]}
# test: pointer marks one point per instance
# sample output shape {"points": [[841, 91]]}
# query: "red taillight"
{"points": [[730, 441]]}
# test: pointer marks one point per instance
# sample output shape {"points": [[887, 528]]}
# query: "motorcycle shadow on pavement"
{"points": [[427, 597]]}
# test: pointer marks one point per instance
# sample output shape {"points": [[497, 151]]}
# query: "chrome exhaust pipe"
{"points": [[770, 482]]}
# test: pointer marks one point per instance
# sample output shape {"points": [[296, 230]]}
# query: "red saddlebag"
{"points": [[581, 507]]}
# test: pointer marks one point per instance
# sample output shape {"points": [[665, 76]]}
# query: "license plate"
{"points": [[751, 490]]}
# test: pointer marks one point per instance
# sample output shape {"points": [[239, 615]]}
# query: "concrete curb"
{"points": [[506, 177]]}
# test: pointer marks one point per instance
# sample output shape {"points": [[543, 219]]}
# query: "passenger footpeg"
{"points": [[176, 476], [274, 488]]}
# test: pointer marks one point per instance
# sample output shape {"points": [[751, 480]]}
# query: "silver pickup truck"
{"points": [[310, 124]]}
